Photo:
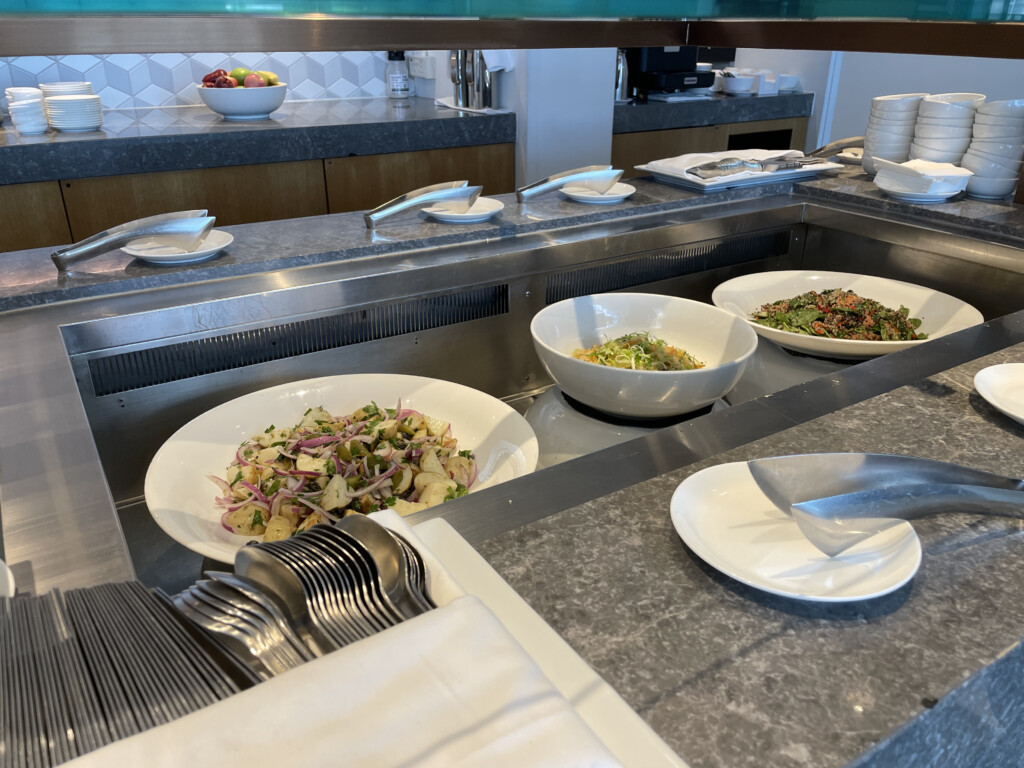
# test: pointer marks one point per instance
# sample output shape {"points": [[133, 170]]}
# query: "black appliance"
{"points": [[666, 70]]}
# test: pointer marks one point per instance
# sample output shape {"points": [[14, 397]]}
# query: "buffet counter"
{"points": [[727, 675]]}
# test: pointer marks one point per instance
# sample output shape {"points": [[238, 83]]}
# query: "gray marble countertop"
{"points": [[176, 138], [731, 676], [717, 109], [28, 278]]}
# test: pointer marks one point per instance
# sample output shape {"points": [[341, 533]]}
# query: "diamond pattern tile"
{"points": [[126, 81]]}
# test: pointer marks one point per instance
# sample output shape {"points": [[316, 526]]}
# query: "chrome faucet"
{"points": [[460, 196]]}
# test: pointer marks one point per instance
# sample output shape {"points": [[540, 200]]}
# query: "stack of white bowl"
{"points": [[996, 149], [74, 113], [943, 128], [26, 109], [890, 129]]}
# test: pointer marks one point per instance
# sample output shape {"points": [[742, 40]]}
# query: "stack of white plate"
{"points": [[25, 106], [68, 88], [996, 149], [74, 113], [943, 128], [890, 129]]}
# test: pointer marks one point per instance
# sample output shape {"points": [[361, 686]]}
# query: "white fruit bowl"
{"points": [[244, 103]]}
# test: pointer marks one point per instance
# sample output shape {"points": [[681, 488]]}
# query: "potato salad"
{"points": [[288, 479]]}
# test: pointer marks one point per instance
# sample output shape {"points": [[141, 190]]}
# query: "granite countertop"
{"points": [[716, 109], [731, 676], [28, 278], [176, 138]]}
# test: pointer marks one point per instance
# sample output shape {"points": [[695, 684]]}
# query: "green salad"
{"points": [[639, 351], [838, 314]]}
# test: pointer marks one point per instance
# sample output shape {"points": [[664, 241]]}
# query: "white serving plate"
{"points": [[181, 498], [152, 250], [918, 197], [726, 182], [726, 519], [940, 313], [1003, 387], [483, 208], [581, 194]]}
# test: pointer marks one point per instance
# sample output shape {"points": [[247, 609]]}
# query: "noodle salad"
{"points": [[286, 480]]}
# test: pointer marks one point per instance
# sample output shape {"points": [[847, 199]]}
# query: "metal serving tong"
{"points": [[840, 499], [727, 166], [599, 178], [182, 229], [457, 194]]}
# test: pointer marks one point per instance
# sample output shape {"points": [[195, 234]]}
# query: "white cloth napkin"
{"points": [[921, 177], [497, 60], [449, 101], [677, 166]]}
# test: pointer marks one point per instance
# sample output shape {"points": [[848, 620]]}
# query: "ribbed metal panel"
{"points": [[663, 265], [183, 360]]}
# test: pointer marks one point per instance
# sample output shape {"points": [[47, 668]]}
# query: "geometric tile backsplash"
{"points": [[125, 80]]}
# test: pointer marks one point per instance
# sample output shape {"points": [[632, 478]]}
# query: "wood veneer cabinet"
{"points": [[33, 216], [363, 182], [632, 149]]}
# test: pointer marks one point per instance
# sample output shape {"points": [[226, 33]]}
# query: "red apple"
{"points": [[254, 80]]}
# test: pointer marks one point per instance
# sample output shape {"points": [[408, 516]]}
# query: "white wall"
{"points": [[865, 75], [817, 72]]}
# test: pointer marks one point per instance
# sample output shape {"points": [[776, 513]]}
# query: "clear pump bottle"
{"points": [[396, 76]]}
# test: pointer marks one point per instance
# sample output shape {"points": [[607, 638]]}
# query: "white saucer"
{"points": [[919, 197], [481, 210], [150, 249], [581, 194], [726, 519], [1003, 386], [6, 580]]}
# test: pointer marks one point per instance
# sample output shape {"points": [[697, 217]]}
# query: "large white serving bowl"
{"points": [[897, 102], [244, 103], [181, 498], [1004, 108], [940, 313], [723, 342], [987, 188]]}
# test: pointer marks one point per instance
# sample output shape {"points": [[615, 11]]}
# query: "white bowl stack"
{"points": [[890, 129], [74, 113], [25, 106], [996, 149], [943, 129]]}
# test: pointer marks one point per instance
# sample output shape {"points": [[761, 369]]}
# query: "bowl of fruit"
{"points": [[242, 94]]}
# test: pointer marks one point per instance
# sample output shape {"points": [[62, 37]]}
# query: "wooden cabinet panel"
{"points": [[363, 182], [235, 195], [33, 216], [632, 149]]}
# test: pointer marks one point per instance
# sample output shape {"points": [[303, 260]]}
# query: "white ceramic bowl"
{"points": [[917, 152], [943, 145], [786, 82], [981, 186], [948, 122], [988, 168], [884, 142], [244, 103], [1005, 108], [723, 342], [892, 117], [897, 102], [983, 119], [889, 130], [942, 109], [970, 100], [1013, 151], [942, 132], [737, 84], [1000, 132]]}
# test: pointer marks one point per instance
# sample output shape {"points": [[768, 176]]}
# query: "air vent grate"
{"points": [[159, 365], [664, 265]]}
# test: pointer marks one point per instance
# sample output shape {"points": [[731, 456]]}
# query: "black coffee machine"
{"points": [[673, 69]]}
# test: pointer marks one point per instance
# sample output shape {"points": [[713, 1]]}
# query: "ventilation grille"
{"points": [[185, 360], [665, 265]]}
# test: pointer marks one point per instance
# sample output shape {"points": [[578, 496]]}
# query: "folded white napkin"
{"points": [[448, 688], [449, 101], [921, 177], [501, 59], [677, 166]]}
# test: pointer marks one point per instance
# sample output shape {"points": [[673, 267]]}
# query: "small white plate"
{"points": [[919, 197], [6, 580], [155, 252], [725, 518], [1003, 386], [581, 194], [481, 210]]}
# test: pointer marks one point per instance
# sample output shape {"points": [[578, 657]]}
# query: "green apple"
{"points": [[267, 75], [239, 74]]}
